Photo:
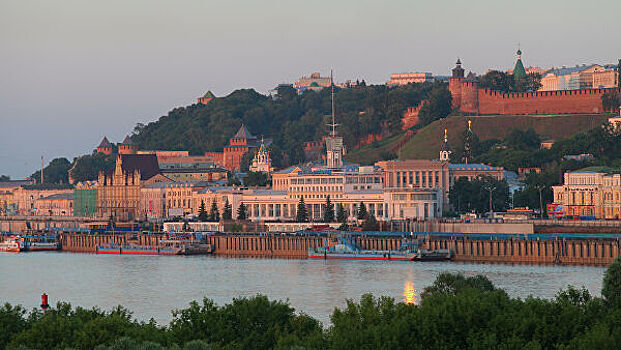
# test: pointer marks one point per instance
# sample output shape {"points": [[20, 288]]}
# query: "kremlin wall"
{"points": [[469, 98]]}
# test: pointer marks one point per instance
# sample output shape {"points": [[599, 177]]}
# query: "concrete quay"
{"points": [[599, 250]]}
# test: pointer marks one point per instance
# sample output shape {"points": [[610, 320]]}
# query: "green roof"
{"points": [[519, 72]]}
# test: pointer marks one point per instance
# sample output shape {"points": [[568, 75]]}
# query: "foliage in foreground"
{"points": [[456, 312]]}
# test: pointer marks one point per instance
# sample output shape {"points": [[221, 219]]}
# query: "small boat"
{"points": [[346, 249], [12, 245]]}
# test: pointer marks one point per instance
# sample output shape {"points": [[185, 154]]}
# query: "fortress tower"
{"points": [[105, 146], [456, 83], [127, 146]]}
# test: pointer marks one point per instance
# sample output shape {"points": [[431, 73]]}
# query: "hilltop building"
{"points": [[206, 98], [397, 79], [314, 82]]}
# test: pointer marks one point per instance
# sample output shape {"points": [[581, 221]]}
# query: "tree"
{"points": [[496, 80], [340, 214], [227, 213], [56, 172], [302, 214], [611, 288], [214, 213], [370, 223], [438, 107], [256, 179], [87, 167], [362, 211], [202, 213], [611, 101], [241, 212], [328, 211], [468, 196]]}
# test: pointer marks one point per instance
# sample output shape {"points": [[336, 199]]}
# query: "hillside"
{"points": [[427, 142], [290, 119]]}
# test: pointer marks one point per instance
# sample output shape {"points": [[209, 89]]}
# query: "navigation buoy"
{"points": [[44, 304]]}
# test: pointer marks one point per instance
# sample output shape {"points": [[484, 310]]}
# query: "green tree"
{"points": [[611, 101], [370, 223], [328, 211], [362, 211], [497, 80], [202, 213], [241, 212], [340, 214], [302, 213], [87, 167], [611, 288], [227, 213], [56, 172], [214, 213], [256, 179], [468, 196], [439, 105]]}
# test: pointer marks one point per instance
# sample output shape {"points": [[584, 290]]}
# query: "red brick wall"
{"points": [[470, 99]]}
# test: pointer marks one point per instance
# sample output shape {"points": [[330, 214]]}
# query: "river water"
{"points": [[152, 286]]}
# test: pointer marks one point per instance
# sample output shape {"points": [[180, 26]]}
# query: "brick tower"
{"points": [[127, 146], [456, 83]]}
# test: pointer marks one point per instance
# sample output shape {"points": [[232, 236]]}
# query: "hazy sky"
{"points": [[74, 71]]}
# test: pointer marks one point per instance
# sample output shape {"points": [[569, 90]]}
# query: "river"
{"points": [[152, 286]]}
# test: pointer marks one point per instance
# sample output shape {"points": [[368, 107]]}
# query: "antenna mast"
{"points": [[333, 125], [41, 169]]}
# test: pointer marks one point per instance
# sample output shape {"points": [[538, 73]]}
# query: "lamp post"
{"points": [[540, 188], [491, 208]]}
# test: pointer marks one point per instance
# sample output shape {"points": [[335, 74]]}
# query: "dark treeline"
{"points": [[290, 119], [455, 312]]}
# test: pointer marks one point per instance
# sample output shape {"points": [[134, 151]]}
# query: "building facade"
{"points": [[85, 199], [397, 79], [55, 205], [594, 192]]}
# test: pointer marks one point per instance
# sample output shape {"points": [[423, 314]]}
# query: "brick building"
{"points": [[230, 157]]}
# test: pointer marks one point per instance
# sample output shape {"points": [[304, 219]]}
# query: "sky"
{"points": [[72, 72]]}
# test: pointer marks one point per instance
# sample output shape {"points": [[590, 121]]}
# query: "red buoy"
{"points": [[44, 304]]}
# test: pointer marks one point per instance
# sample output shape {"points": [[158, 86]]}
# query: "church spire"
{"points": [[445, 151]]}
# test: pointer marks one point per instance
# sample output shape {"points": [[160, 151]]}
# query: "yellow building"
{"points": [[594, 191], [57, 205], [118, 193]]}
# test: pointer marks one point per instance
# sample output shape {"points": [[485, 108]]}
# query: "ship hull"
{"points": [[136, 251], [360, 256]]}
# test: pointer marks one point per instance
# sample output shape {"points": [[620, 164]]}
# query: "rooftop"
{"points": [[58, 197]]}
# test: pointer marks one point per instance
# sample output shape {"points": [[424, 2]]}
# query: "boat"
{"points": [[188, 246], [41, 243], [134, 249], [408, 251], [12, 245]]}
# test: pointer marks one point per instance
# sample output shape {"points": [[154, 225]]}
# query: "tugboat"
{"points": [[347, 249], [12, 245]]}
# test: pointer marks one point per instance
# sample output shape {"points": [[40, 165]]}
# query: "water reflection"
{"points": [[410, 294]]}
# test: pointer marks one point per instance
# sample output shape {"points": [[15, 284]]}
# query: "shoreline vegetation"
{"points": [[455, 312]]}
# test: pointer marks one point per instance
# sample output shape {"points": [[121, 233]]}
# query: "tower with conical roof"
{"points": [[105, 146], [456, 82], [127, 146], [518, 71], [445, 151], [206, 98]]}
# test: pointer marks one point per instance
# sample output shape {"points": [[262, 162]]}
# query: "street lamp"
{"points": [[491, 189], [540, 188]]}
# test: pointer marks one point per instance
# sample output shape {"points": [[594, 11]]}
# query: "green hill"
{"points": [[427, 142]]}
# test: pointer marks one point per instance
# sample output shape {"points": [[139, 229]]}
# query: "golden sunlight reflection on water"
{"points": [[410, 294]]}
